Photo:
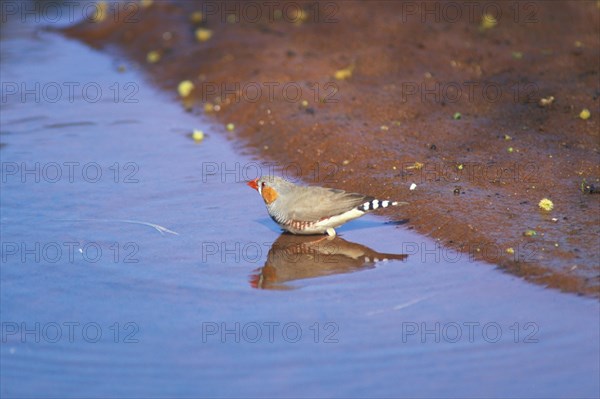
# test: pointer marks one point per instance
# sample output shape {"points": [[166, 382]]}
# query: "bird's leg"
{"points": [[331, 232]]}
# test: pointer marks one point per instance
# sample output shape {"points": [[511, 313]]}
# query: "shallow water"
{"points": [[96, 302]]}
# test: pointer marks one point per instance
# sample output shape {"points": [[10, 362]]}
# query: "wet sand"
{"points": [[483, 115]]}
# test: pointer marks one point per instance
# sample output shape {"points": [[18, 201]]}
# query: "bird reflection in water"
{"points": [[294, 257]]}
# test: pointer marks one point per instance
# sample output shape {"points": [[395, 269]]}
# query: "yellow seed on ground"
{"points": [[230, 127], [203, 34], [488, 21], [416, 166], [153, 57], [196, 17], [546, 204], [510, 251], [185, 88], [300, 16], [342, 74], [585, 114], [198, 135], [101, 11]]}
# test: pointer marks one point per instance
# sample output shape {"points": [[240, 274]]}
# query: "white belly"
{"points": [[333, 222]]}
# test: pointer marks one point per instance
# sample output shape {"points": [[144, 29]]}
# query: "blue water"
{"points": [[176, 313]]}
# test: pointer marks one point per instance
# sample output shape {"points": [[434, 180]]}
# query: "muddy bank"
{"points": [[483, 114]]}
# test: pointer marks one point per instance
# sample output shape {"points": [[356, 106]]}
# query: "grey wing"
{"points": [[315, 203]]}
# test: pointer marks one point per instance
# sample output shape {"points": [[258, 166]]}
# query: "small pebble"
{"points": [[544, 102]]}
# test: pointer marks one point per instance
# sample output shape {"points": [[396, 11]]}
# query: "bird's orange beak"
{"points": [[253, 184]]}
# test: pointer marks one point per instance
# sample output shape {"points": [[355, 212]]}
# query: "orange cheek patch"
{"points": [[269, 194]]}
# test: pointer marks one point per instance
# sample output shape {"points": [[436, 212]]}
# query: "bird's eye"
{"points": [[263, 184]]}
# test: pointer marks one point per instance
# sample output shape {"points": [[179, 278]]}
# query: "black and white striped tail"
{"points": [[376, 204]]}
